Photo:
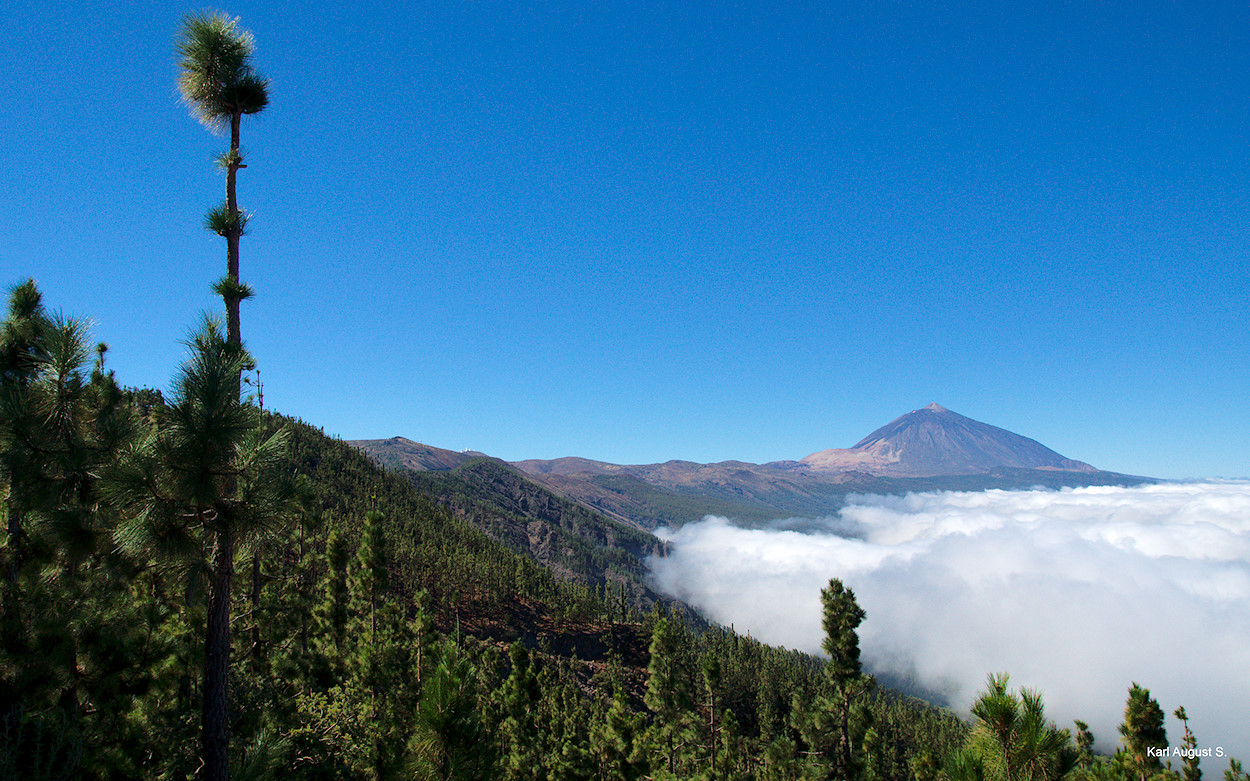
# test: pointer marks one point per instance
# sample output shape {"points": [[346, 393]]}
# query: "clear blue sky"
{"points": [[636, 232]]}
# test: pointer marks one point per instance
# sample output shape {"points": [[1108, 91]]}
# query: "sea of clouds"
{"points": [[1077, 592]]}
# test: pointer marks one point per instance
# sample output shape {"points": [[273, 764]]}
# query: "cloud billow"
{"points": [[1076, 592]]}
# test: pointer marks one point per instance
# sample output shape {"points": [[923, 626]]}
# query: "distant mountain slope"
{"points": [[930, 449], [570, 465], [935, 441], [401, 453], [645, 505]]}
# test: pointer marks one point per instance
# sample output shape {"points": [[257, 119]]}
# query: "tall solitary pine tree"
{"points": [[220, 85]]}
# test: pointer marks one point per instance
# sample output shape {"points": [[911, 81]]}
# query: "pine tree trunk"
{"points": [[712, 729], [235, 229], [8, 608], [216, 716], [844, 742], [215, 722], [10, 617], [255, 652], [14, 545]]}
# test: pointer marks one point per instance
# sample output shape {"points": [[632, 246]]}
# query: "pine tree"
{"points": [[330, 614], [523, 757], [842, 616], [1191, 759], [616, 741], [23, 350], [570, 719], [204, 485], [1011, 739], [668, 697], [924, 766], [59, 426], [730, 753], [1234, 772], [382, 664], [367, 590], [448, 741], [1143, 731], [1084, 745], [712, 728], [286, 615], [221, 86], [780, 761]]}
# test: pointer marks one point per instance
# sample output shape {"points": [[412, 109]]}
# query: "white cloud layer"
{"points": [[1077, 592]]}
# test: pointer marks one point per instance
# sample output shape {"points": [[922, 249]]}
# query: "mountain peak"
{"points": [[923, 444], [405, 453]]}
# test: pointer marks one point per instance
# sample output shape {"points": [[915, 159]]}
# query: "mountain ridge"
{"points": [[929, 449], [931, 441]]}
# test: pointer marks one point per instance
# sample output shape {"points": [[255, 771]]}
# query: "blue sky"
{"points": [[636, 232]]}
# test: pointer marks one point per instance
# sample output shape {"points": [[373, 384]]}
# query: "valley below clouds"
{"points": [[1077, 592]]}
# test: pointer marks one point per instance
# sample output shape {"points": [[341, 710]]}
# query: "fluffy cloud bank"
{"points": [[1077, 592]]}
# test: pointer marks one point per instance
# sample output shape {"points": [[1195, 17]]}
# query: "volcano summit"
{"points": [[935, 441]]}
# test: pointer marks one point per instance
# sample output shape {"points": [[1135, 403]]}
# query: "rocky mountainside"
{"points": [[401, 453], [935, 441]]}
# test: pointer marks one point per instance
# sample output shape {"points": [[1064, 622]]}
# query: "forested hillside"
{"points": [[373, 633], [568, 539]]}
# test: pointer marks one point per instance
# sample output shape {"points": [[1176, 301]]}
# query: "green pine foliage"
{"points": [[616, 742], [449, 740], [521, 732], [845, 682], [1191, 761], [1011, 740], [1142, 731]]}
